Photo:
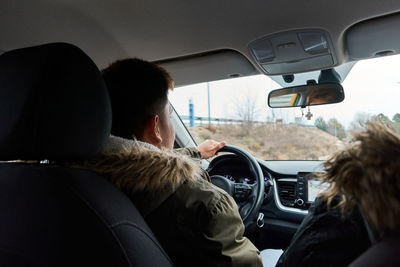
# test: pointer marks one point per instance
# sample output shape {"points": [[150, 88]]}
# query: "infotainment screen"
{"points": [[315, 188]]}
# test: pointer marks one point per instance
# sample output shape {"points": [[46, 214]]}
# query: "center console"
{"points": [[296, 194], [307, 189]]}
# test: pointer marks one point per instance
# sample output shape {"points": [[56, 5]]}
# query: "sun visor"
{"points": [[374, 38], [210, 66], [293, 52]]}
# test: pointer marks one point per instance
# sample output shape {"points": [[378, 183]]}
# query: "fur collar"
{"points": [[116, 143], [144, 172]]}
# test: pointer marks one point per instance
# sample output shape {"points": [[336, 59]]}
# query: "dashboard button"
{"points": [[300, 202]]}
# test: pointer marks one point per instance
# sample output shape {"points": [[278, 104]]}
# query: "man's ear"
{"points": [[152, 131]]}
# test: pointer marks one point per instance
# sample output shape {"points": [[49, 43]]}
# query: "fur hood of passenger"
{"points": [[134, 166]]}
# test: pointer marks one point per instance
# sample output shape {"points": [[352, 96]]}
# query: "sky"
{"points": [[372, 86]]}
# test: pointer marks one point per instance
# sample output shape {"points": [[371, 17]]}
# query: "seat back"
{"points": [[384, 253], [55, 110]]}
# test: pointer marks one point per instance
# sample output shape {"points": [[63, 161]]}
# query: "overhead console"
{"points": [[293, 51]]}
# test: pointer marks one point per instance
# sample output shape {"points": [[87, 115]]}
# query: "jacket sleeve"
{"points": [[224, 236], [189, 151]]}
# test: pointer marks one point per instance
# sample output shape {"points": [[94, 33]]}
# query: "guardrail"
{"points": [[205, 121], [199, 121]]}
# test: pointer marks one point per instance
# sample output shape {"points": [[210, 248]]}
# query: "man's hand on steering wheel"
{"points": [[209, 148]]}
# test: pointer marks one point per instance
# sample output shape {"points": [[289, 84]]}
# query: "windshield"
{"points": [[236, 111]]}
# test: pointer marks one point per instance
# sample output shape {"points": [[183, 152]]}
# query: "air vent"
{"points": [[287, 193]]}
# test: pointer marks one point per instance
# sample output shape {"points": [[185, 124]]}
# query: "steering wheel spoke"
{"points": [[242, 191], [224, 184]]}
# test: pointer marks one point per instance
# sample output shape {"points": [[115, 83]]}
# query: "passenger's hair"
{"points": [[138, 89], [366, 175]]}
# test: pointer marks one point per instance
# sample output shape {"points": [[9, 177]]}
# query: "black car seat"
{"points": [[54, 111], [384, 253]]}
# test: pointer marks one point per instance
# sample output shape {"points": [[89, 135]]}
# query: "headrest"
{"points": [[53, 104]]}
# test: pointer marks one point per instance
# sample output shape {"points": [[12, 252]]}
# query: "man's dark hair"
{"points": [[138, 89]]}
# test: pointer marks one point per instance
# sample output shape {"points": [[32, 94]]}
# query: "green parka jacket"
{"points": [[197, 223]]}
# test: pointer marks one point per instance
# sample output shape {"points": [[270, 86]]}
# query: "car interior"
{"points": [[55, 109]]}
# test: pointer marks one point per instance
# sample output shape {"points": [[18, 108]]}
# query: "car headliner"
{"points": [[157, 30]]}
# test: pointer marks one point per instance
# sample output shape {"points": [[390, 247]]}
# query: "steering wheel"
{"points": [[249, 196]]}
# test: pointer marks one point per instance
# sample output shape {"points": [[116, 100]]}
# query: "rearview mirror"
{"points": [[306, 95]]}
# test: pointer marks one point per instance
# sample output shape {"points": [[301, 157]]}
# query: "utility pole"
{"points": [[209, 111]]}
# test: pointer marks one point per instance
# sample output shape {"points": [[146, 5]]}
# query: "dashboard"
{"points": [[288, 194], [235, 170], [289, 191]]}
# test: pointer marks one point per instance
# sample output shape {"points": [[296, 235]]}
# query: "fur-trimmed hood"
{"points": [[142, 171]]}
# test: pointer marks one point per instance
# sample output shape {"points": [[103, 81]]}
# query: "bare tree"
{"points": [[359, 121], [246, 109]]}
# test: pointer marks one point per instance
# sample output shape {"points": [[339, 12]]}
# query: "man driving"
{"points": [[197, 223]]}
